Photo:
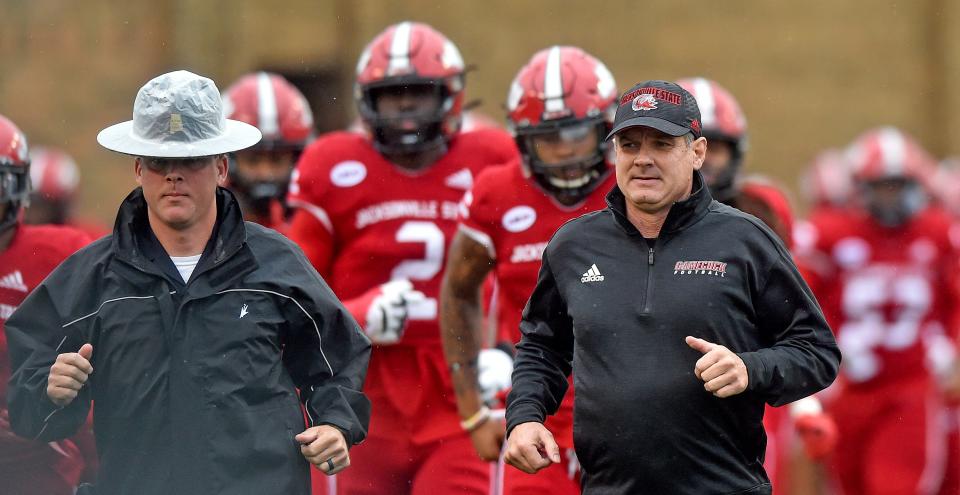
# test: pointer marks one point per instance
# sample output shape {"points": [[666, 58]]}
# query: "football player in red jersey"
{"points": [[375, 214], [725, 127], [260, 176], [27, 254], [561, 105], [885, 278]]}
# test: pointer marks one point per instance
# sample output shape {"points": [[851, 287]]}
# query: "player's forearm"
{"points": [[461, 326]]}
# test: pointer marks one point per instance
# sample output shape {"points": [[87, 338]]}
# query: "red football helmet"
{"points": [[828, 181], [722, 120], [14, 172], [410, 56], [276, 107], [273, 105], [54, 175], [886, 162], [563, 94]]}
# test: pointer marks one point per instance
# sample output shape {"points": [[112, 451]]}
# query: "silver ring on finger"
{"points": [[330, 465]]}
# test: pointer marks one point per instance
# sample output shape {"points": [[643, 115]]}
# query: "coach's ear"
{"points": [[223, 166], [138, 169], [699, 146]]}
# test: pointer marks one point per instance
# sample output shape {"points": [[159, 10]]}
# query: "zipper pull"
{"points": [[650, 257]]}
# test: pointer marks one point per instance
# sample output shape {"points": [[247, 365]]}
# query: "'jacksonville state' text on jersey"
{"points": [[514, 219], [382, 223], [888, 293], [34, 252]]}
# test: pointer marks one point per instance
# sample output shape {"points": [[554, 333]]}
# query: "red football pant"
{"points": [[777, 424], [396, 466], [554, 479], [891, 441]]}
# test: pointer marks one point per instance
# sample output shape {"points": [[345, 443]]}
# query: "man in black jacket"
{"points": [[190, 329], [680, 316]]}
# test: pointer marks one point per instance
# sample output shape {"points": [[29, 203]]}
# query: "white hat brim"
{"points": [[236, 136]]}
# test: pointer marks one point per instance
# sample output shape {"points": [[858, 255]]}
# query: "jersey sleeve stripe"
{"points": [[319, 213], [481, 238]]}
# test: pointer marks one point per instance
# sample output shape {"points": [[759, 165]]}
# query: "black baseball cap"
{"points": [[662, 105]]}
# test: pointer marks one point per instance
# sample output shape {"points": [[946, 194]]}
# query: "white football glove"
{"points": [[387, 314], [494, 368]]}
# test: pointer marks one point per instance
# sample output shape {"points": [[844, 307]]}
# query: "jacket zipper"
{"points": [[646, 295]]}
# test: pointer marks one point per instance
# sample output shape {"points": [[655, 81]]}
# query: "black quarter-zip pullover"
{"points": [[618, 309]]}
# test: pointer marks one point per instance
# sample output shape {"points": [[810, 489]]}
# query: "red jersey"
{"points": [[363, 221], [515, 219], [32, 254], [883, 290]]}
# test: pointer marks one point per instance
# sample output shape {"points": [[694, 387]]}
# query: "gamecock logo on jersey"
{"points": [[715, 268], [644, 102]]}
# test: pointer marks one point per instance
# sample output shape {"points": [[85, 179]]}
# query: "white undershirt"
{"points": [[185, 265]]}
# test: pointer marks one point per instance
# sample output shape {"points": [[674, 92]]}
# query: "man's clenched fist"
{"points": [[722, 371], [68, 375], [325, 447]]}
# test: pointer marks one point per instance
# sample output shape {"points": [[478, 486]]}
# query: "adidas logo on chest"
{"points": [[14, 281], [592, 275]]}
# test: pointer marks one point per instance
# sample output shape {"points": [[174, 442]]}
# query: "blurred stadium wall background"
{"points": [[809, 74]]}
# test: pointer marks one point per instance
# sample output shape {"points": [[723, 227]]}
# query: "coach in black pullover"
{"points": [[681, 317]]}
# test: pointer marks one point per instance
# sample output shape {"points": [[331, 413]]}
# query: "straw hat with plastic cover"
{"points": [[178, 115]]}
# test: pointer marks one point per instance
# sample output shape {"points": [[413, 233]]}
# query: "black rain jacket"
{"points": [[618, 309], [195, 385]]}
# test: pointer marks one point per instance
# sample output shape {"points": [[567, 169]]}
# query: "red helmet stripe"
{"points": [[268, 121], [553, 82], [400, 48]]}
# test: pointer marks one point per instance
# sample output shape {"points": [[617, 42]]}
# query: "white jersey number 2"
{"points": [[421, 269]]}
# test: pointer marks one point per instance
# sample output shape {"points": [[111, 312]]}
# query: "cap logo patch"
{"points": [[695, 125], [644, 102]]}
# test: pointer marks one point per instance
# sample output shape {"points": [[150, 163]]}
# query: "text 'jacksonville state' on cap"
{"points": [[662, 105]]}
